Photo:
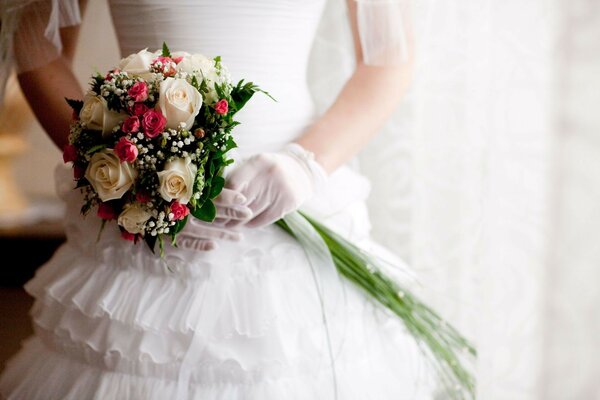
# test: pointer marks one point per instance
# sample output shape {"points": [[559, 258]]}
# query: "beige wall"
{"points": [[97, 50]]}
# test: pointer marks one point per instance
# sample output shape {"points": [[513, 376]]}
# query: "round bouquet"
{"points": [[149, 141]]}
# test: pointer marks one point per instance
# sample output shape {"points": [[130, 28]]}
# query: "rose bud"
{"points": [[131, 125], [105, 211], [126, 150], [180, 211], [199, 133], [69, 153], [138, 109], [222, 107], [138, 92], [153, 122], [128, 236], [78, 171]]}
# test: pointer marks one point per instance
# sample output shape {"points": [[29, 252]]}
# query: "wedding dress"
{"points": [[114, 321]]}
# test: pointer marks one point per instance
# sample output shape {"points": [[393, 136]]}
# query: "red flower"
{"points": [[139, 91], [222, 107], [178, 59], [138, 109], [142, 197], [153, 122], [105, 211], [69, 153], [180, 211], [78, 171], [131, 125], [168, 65], [126, 150], [129, 236]]}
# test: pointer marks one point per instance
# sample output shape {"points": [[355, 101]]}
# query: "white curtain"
{"points": [[488, 182]]}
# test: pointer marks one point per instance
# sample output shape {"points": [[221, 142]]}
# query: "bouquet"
{"points": [[148, 146], [149, 141]]}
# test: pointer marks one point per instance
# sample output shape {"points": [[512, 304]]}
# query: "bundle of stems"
{"points": [[448, 350]]}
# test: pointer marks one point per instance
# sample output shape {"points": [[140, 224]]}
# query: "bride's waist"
{"points": [[267, 125]]}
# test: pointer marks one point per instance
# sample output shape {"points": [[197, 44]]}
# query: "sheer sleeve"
{"points": [[30, 33], [384, 31]]}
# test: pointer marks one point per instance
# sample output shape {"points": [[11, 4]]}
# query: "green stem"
{"points": [[442, 342]]}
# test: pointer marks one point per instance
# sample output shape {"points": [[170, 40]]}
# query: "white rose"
{"points": [[96, 115], [176, 181], [109, 176], [133, 218], [179, 102], [138, 64], [196, 63], [204, 69]]}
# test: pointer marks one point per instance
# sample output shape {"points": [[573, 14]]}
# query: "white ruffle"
{"points": [[112, 320], [38, 371]]}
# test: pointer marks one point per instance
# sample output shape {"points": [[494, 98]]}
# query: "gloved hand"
{"points": [[203, 236], [275, 183]]}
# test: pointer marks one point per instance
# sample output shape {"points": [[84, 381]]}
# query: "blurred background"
{"points": [[30, 211], [486, 181]]}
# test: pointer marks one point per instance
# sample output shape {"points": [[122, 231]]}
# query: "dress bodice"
{"points": [[267, 42]]}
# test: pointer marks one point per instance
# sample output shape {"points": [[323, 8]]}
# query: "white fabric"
{"points": [[114, 321], [204, 236], [30, 33], [384, 29], [276, 183]]}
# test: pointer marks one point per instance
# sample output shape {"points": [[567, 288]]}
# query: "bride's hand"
{"points": [[203, 236], [275, 184]]}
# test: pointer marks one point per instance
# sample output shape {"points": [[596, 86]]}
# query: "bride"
{"points": [[235, 314]]}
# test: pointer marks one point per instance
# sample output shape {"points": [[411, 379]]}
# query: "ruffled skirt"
{"points": [[114, 321]]}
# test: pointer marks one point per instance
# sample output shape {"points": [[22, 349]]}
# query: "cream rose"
{"points": [[176, 181], [96, 115], [138, 64], [179, 102], [109, 176], [204, 68], [133, 218]]}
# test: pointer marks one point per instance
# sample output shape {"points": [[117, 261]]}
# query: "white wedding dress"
{"points": [[113, 321]]}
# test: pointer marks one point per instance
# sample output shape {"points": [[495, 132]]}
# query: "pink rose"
{"points": [[180, 211], [166, 65], [126, 150], [69, 153], [222, 107], [178, 59], [105, 211], [131, 125], [153, 122], [139, 109], [109, 77], [128, 236], [139, 91]]}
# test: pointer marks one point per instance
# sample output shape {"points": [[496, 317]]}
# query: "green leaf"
{"points": [[178, 227], [217, 186], [243, 92], [150, 241], [165, 50], [76, 105], [207, 212], [95, 148]]}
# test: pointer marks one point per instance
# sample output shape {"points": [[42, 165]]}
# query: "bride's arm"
{"points": [[46, 87], [360, 110]]}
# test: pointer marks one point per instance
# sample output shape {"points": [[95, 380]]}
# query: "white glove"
{"points": [[203, 236], [275, 184]]}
